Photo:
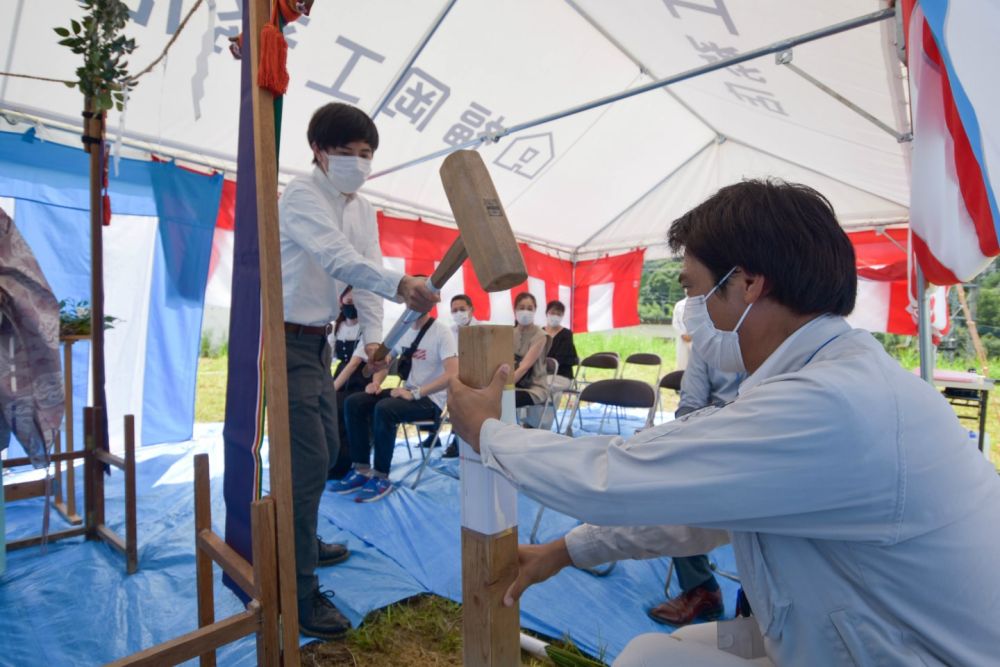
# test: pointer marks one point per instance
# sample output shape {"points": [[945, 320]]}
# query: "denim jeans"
{"points": [[374, 419]]}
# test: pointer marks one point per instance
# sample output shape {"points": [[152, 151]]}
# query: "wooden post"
{"points": [[203, 562], [984, 366], [131, 520], [94, 132], [279, 443], [490, 631], [66, 505], [265, 565], [91, 469]]}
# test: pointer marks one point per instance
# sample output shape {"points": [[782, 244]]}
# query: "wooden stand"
{"points": [[490, 631], [66, 505], [93, 460], [259, 581], [273, 331]]}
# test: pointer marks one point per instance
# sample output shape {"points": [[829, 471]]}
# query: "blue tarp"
{"points": [[75, 605]]}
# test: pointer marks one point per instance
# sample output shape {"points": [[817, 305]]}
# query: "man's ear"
{"points": [[753, 286]]}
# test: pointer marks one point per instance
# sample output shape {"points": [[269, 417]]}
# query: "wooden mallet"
{"points": [[485, 237]]}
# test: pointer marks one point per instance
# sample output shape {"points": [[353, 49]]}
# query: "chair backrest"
{"points": [[672, 380], [644, 359], [551, 367], [606, 360], [622, 393]]}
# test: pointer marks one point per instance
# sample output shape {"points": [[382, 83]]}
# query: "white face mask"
{"points": [[554, 320], [347, 173], [460, 317], [525, 317], [719, 349]]}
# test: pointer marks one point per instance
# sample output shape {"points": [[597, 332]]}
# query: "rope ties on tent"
{"points": [[776, 47]]}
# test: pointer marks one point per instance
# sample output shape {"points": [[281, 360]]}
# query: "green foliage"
{"points": [[103, 76], [74, 318], [659, 291]]}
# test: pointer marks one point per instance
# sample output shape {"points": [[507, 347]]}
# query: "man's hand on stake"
{"points": [[416, 294], [536, 563], [469, 408]]}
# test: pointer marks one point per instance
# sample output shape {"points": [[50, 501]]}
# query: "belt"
{"points": [[304, 330]]}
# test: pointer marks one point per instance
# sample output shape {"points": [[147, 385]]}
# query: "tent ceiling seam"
{"points": [[688, 161], [817, 171], [638, 63]]}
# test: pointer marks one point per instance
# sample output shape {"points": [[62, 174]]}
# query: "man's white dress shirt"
{"points": [[328, 241]]}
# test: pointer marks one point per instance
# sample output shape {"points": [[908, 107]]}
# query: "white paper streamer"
{"points": [[201, 61]]}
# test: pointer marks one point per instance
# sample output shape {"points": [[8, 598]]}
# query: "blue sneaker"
{"points": [[374, 488], [352, 481]]}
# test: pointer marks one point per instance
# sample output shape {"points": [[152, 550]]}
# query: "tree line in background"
{"points": [[660, 290]]}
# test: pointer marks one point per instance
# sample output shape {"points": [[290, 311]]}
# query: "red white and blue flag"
{"points": [[952, 54]]}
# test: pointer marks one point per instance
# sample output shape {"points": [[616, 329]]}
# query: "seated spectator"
{"points": [[347, 378], [700, 598], [561, 348], [530, 346], [427, 359], [461, 313]]}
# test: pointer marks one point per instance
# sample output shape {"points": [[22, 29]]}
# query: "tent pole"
{"points": [[924, 344], [775, 47], [898, 136], [401, 75]]}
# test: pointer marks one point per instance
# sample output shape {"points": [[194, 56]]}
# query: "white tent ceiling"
{"points": [[605, 179]]}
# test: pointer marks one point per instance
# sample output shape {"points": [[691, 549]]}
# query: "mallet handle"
{"points": [[449, 264]]}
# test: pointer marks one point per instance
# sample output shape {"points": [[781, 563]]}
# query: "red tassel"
{"points": [[272, 73], [107, 209]]}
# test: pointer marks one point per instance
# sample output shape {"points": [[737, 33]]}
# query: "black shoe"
{"points": [[428, 441], [451, 452], [331, 554], [320, 618]]}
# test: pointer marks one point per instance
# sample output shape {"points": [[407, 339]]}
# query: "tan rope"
{"points": [[180, 28], [131, 79], [37, 78]]}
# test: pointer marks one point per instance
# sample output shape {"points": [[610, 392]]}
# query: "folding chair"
{"points": [[534, 415], [671, 380], [600, 360], [643, 359], [433, 425], [616, 393]]}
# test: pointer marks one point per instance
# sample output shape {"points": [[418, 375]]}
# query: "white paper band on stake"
{"points": [[489, 501]]}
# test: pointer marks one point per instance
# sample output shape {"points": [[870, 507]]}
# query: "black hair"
{"points": [[556, 305], [461, 297], [525, 295], [786, 232], [335, 124], [340, 316]]}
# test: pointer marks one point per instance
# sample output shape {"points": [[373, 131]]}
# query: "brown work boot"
{"points": [[697, 604], [331, 553]]}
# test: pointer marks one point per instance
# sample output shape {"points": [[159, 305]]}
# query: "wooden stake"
{"points": [[490, 631], [203, 562], [977, 343], [264, 566], [279, 444], [131, 520]]}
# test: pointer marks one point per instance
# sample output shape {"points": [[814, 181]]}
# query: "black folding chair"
{"points": [[600, 361]]}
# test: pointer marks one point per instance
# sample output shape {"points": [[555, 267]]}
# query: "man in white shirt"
{"points": [[374, 415], [864, 525], [329, 239], [461, 313], [700, 598], [683, 337]]}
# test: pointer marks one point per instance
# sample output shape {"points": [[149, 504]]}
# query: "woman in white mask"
{"points": [[461, 313], [530, 346], [562, 348]]}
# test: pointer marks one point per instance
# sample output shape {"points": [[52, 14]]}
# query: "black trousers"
{"points": [[312, 421]]}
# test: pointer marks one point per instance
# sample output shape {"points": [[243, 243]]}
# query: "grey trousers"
{"points": [[692, 571], [312, 421]]}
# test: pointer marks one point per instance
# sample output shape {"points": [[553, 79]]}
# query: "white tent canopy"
{"points": [[606, 179]]}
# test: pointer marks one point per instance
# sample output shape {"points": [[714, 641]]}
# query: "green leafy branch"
{"points": [[103, 76], [75, 320]]}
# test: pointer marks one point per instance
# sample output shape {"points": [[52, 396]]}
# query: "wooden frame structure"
{"points": [[259, 581], [94, 460]]}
